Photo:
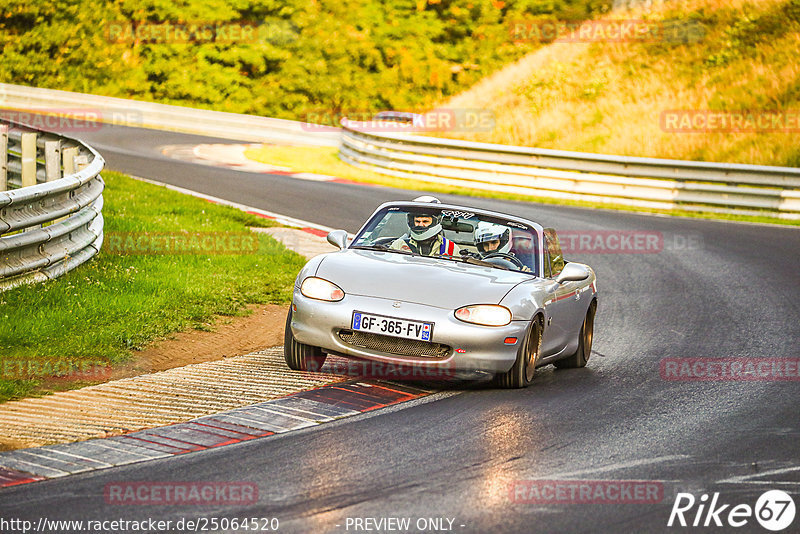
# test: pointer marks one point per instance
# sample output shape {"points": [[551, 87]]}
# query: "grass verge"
{"points": [[615, 97], [94, 317], [324, 160]]}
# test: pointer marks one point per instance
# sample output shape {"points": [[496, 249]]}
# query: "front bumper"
{"points": [[474, 349]]}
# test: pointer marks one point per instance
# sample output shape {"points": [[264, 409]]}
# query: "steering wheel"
{"points": [[383, 242], [505, 256]]}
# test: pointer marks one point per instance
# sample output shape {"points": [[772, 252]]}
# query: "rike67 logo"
{"points": [[774, 510]]}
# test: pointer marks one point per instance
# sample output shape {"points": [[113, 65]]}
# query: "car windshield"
{"points": [[456, 235]]}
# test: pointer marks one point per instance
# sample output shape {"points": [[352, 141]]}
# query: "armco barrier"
{"points": [[643, 182], [50, 204]]}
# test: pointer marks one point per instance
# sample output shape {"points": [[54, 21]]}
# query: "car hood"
{"points": [[431, 281]]}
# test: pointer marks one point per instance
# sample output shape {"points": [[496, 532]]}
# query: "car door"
{"points": [[558, 304]]}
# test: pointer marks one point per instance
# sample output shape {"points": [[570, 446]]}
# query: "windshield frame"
{"points": [[381, 212]]}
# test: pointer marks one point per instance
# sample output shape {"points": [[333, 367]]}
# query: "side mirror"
{"points": [[573, 272], [338, 238]]}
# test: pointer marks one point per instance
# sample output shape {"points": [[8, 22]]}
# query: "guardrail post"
{"points": [[69, 155], [3, 157], [52, 160], [28, 159], [81, 162]]}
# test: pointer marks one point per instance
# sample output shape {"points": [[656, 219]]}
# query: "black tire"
{"points": [[581, 356], [524, 369], [298, 356]]}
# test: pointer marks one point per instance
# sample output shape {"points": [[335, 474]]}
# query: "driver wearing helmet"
{"points": [[425, 236], [491, 238]]}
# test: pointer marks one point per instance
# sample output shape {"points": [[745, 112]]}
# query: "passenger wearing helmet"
{"points": [[425, 236], [491, 238]]}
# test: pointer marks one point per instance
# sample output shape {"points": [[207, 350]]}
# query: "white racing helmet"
{"points": [[486, 231], [424, 233]]}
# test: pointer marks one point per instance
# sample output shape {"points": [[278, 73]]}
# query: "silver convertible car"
{"points": [[447, 291]]}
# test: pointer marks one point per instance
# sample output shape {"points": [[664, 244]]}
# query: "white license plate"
{"points": [[392, 326]]}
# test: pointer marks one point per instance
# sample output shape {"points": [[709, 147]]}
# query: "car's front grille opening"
{"points": [[395, 345]]}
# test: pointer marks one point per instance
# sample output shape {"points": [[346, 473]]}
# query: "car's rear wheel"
{"points": [[299, 356], [524, 369], [581, 356]]}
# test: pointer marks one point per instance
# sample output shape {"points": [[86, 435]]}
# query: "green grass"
{"points": [[610, 98], [324, 160], [114, 304]]}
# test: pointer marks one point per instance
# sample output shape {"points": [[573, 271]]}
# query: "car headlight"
{"points": [[321, 289], [484, 314]]}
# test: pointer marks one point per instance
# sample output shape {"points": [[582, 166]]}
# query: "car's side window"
{"points": [[555, 257]]}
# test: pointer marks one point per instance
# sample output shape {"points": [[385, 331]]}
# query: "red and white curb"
{"points": [[278, 416], [232, 156]]}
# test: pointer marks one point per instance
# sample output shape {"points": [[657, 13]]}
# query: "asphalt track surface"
{"points": [[719, 290]]}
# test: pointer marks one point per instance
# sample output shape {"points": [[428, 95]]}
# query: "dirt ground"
{"points": [[231, 336]]}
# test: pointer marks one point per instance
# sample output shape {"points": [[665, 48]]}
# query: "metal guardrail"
{"points": [[135, 113], [643, 182], [50, 204]]}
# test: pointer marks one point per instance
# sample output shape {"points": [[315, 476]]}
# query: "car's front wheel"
{"points": [[524, 369], [585, 337], [299, 356]]}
